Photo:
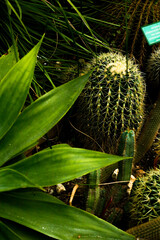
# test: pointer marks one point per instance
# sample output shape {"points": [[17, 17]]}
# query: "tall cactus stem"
{"points": [[126, 149], [149, 132]]}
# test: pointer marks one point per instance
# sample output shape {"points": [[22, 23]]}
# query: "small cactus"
{"points": [[113, 99], [145, 198]]}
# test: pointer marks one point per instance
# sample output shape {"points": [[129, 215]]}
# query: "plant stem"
{"points": [[149, 132]]}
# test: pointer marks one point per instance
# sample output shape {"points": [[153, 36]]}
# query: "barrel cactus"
{"points": [[153, 74], [113, 99], [145, 197], [148, 140]]}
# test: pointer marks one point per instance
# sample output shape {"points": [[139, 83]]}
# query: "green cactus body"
{"points": [[113, 99], [148, 231], [152, 124], [153, 74], [156, 146], [148, 132], [126, 148], [96, 196], [94, 191], [145, 198]]}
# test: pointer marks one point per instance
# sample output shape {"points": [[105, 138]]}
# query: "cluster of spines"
{"points": [[145, 198], [112, 101]]}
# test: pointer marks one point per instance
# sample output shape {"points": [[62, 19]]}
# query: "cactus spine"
{"points": [[113, 99], [145, 197]]}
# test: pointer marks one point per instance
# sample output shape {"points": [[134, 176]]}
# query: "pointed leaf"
{"points": [[7, 61], [53, 166], [40, 117], [14, 88], [57, 220]]}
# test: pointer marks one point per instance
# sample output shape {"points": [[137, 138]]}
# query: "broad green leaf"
{"points": [[57, 220], [14, 88], [40, 117], [7, 61], [6, 233], [53, 166]]}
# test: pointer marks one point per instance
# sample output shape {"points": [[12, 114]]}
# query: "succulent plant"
{"points": [[113, 99], [156, 145], [153, 74], [152, 124], [145, 197], [24, 206], [149, 230]]}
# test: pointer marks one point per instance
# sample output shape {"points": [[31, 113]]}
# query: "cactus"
{"points": [[145, 198], [93, 192], [96, 195], [113, 99], [156, 146], [149, 230], [153, 74], [126, 148], [152, 124]]}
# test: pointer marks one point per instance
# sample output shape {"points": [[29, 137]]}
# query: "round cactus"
{"points": [[113, 99], [145, 197], [153, 74]]}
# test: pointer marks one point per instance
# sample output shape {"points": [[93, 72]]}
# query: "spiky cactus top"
{"points": [[113, 98], [145, 197]]}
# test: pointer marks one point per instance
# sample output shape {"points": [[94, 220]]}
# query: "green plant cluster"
{"points": [[113, 98], [26, 211], [145, 197], [112, 102]]}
